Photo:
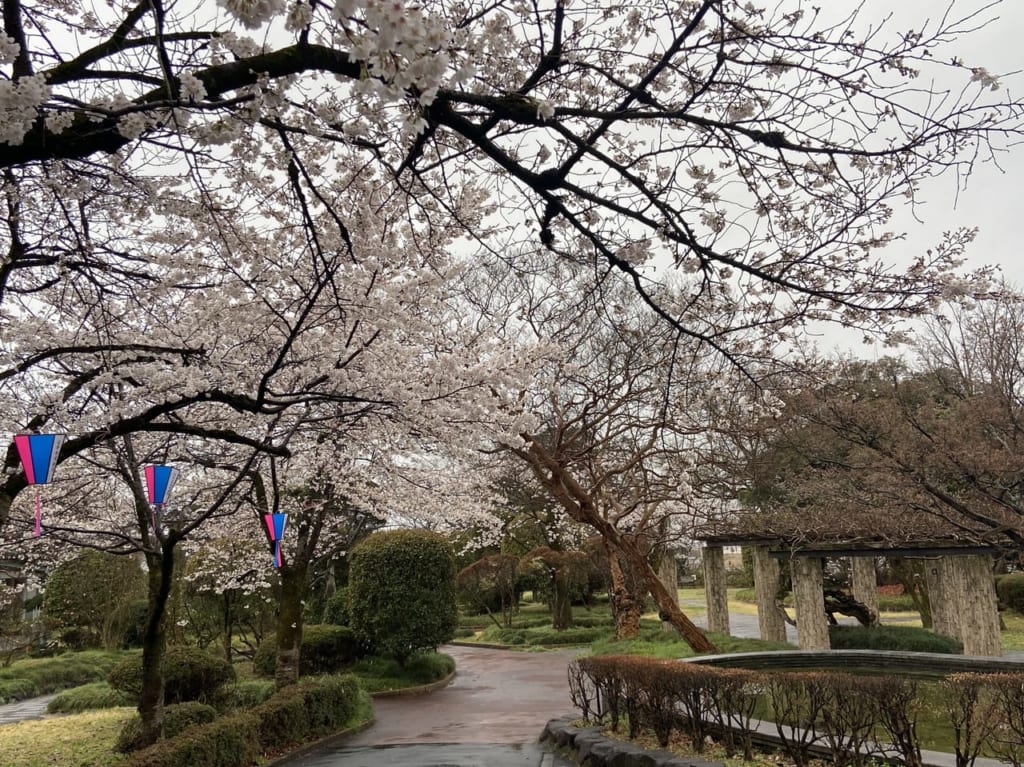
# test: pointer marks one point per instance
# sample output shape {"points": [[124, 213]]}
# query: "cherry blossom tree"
{"points": [[761, 146]]}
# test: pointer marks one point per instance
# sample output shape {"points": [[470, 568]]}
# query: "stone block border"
{"points": [[589, 747]]}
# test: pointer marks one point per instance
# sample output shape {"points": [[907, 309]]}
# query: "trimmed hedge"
{"points": [[325, 649], [905, 638], [189, 674], [301, 712], [178, 717], [401, 592]]}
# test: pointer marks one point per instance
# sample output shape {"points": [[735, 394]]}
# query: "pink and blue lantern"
{"points": [[275, 527], [160, 481], [39, 454]]}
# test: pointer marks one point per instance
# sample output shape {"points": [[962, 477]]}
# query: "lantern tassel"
{"points": [[39, 515]]}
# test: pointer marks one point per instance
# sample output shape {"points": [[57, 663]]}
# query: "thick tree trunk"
{"points": [[716, 589], [809, 596], [865, 585], [668, 574], [289, 623], [561, 599], [154, 641], [579, 504], [625, 607], [771, 621]]}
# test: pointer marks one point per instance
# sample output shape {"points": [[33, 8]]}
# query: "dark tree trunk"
{"points": [[229, 623], [289, 623], [625, 606], [154, 641], [561, 599]]}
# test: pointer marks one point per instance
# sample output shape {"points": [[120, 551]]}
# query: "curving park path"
{"points": [[491, 714]]}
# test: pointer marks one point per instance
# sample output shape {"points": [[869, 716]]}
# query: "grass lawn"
{"points": [[78, 739]]}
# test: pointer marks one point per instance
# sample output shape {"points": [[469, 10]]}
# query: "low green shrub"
{"points": [[745, 595], [180, 716], [177, 718], [1010, 589], [325, 649], [189, 674], [87, 697], [895, 603], [301, 712], [32, 677], [231, 741], [570, 636], [904, 638], [17, 689], [378, 673], [246, 694]]}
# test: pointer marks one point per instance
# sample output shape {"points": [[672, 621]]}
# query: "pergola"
{"points": [[959, 578]]}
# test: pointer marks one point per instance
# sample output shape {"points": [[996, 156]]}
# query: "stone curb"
{"points": [[593, 749], [287, 759], [305, 748], [423, 689]]}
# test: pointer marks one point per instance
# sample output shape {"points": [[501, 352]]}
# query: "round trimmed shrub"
{"points": [[401, 592], [180, 716], [325, 649], [1010, 588], [189, 674]]}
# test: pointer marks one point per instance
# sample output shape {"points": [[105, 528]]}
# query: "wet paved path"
{"points": [[491, 714], [33, 708]]}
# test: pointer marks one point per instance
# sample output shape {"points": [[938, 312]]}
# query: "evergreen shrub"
{"points": [[299, 713], [904, 638], [402, 592], [189, 674], [337, 608], [180, 716], [1010, 589], [87, 697], [325, 649]]}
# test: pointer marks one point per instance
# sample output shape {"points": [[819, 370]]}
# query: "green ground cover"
{"points": [[77, 739], [88, 736]]}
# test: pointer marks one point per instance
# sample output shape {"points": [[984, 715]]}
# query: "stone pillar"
{"points": [[865, 582], [809, 596], [668, 574], [715, 589], [766, 588], [938, 577], [971, 584]]}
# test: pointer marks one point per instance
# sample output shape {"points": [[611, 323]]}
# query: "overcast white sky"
{"points": [[993, 200]]}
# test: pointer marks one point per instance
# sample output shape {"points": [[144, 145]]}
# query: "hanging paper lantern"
{"points": [[160, 481], [275, 526], [39, 454]]}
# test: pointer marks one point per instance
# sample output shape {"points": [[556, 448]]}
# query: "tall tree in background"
{"points": [[924, 449]]}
